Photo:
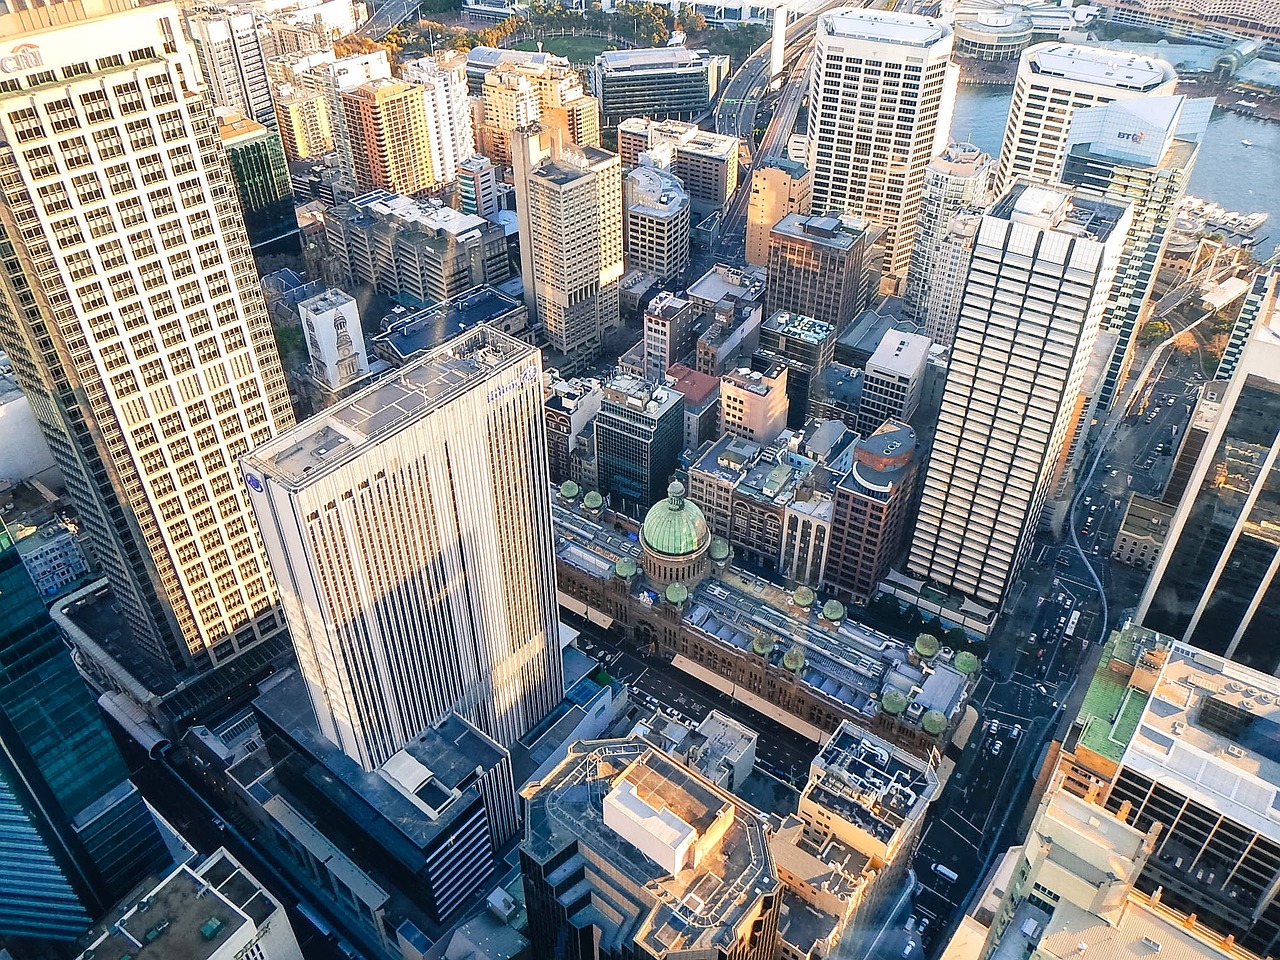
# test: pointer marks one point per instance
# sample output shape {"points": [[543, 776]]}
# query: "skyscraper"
{"points": [[1215, 583], [1013, 385], [409, 527], [569, 209], [1054, 81], [443, 79], [261, 177], [132, 313], [882, 91], [232, 60], [386, 121], [74, 832], [957, 180], [822, 267], [1139, 151]]}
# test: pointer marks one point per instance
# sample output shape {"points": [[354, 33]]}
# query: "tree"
{"points": [[1218, 345], [1153, 331], [1185, 343]]}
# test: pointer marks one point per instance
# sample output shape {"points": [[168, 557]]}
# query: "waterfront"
{"points": [[1240, 178]]}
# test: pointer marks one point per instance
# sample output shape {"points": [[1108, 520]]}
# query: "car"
{"points": [[1016, 732], [923, 925], [997, 747], [911, 924], [911, 945], [1171, 401], [1115, 473], [1088, 500], [1042, 690]]}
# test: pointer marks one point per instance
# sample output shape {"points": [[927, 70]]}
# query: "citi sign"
{"points": [[1134, 137], [25, 56]]}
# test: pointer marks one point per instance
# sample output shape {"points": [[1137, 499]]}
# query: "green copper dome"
{"points": [[927, 645], [677, 593], [833, 610], [893, 701], [933, 722], [626, 567], [593, 501], [793, 659], [967, 663], [569, 490], [719, 549], [675, 527], [803, 597]]}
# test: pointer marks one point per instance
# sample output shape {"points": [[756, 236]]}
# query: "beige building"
{"points": [[519, 93], [778, 187], [1054, 81], [883, 89], [569, 208], [386, 123], [657, 222], [1142, 532], [303, 118], [826, 268], [706, 163], [754, 405], [133, 280]]}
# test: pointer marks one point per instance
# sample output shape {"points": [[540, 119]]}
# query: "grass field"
{"points": [[576, 49]]}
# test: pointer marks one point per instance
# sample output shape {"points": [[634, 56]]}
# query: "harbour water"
{"points": [[1240, 178]]}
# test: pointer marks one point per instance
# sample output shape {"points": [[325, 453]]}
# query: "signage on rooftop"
{"points": [[25, 56], [1134, 137]]}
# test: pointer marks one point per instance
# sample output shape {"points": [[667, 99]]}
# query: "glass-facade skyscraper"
{"points": [[1216, 582], [74, 833]]}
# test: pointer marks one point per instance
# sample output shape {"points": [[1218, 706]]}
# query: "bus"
{"points": [[1071, 624]]}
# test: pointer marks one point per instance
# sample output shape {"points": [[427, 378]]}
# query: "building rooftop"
{"points": [[1058, 208], [191, 915], [697, 388], [407, 333], [342, 432], [798, 327], [728, 458], [870, 782], [699, 907], [721, 281], [793, 168], [635, 393], [655, 192], [901, 353], [960, 159], [905, 29], [1146, 517], [754, 381], [1105, 68], [234, 128], [837, 233], [687, 137], [651, 58]]}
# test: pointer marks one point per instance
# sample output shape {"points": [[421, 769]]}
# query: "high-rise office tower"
{"points": [[639, 432], [74, 832], [778, 187], [1259, 302], [232, 61], [409, 527], [333, 78], [1215, 583], [657, 222], [569, 209], [1054, 81], [132, 313], [705, 162], [822, 267], [1013, 385], [443, 80], [882, 91], [303, 118], [261, 177], [387, 123], [1139, 151], [957, 180]]}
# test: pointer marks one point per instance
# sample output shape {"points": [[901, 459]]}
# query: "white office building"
{"points": [[131, 278], [1054, 81], [447, 110], [957, 181], [881, 96], [657, 222], [1010, 398], [409, 527], [892, 380]]}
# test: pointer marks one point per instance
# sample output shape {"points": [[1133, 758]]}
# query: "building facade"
{"points": [[706, 163], [1013, 384], [657, 222], [892, 380], [1139, 151], [232, 60], [132, 314], [822, 267], [335, 340], [261, 176], [484, 644], [956, 181], [753, 404], [665, 83], [75, 834], [450, 138], [1054, 81], [569, 208], [639, 434], [779, 186], [1214, 583], [883, 89]]}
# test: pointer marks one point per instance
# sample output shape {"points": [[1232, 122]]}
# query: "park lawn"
{"points": [[575, 49]]}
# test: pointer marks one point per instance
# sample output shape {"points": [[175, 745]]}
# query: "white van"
{"points": [[945, 872]]}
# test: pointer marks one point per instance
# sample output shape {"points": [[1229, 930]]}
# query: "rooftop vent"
{"points": [[1151, 944], [211, 928], [1234, 750]]}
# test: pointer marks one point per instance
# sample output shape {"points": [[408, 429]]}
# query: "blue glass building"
{"points": [[75, 835]]}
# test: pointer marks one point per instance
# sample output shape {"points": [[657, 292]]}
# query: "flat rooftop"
{"points": [[798, 327], [961, 159], [1058, 208], [870, 782], [724, 281], [406, 333], [191, 915], [654, 191], [901, 353], [655, 59], [697, 909], [344, 431], [837, 233], [1094, 65], [430, 214], [906, 29]]}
